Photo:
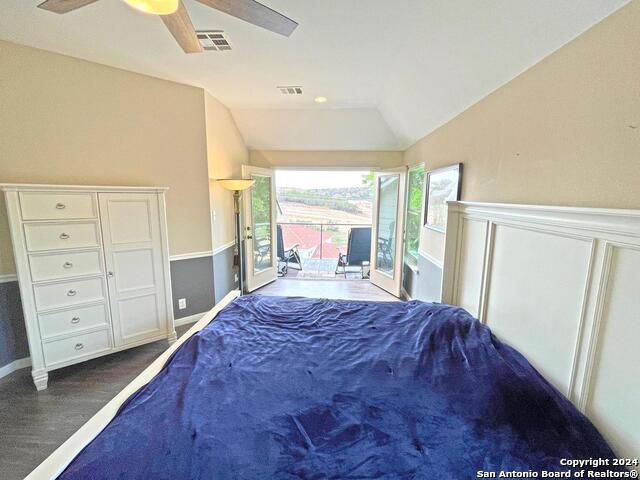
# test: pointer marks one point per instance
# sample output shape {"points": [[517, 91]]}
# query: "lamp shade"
{"points": [[236, 184], [158, 7]]}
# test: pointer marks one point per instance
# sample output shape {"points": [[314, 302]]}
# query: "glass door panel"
{"points": [[387, 217], [261, 223]]}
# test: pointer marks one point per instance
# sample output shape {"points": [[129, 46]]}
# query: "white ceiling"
{"points": [[393, 70]]}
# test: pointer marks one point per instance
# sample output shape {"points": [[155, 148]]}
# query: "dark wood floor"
{"points": [[33, 424]]}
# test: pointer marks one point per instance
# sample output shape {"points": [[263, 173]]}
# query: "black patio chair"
{"points": [[358, 251], [286, 257]]}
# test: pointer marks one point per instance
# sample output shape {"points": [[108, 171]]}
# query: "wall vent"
{"points": [[213, 40], [290, 90]]}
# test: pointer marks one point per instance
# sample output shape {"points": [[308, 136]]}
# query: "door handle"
{"points": [[249, 237]]}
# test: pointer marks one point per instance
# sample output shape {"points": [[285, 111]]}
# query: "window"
{"points": [[414, 210]]}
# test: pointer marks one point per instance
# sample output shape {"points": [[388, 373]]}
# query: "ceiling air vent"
{"points": [[213, 40], [290, 90]]}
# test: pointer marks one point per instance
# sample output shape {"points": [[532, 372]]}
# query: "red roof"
{"points": [[302, 235], [329, 250], [308, 240]]}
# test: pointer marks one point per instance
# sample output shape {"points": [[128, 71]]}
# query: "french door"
{"points": [[388, 229], [259, 228]]}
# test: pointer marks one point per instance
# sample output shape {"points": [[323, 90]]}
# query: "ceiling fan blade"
{"points": [[180, 26], [64, 6], [255, 13]]}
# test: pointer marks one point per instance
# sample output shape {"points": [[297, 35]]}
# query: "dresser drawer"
{"points": [[64, 265], [68, 293], [57, 206], [68, 349], [55, 236], [70, 321]]}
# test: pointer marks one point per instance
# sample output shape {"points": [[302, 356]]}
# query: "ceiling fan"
{"points": [[174, 15]]}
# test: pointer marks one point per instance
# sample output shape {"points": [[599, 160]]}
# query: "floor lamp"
{"points": [[237, 185]]}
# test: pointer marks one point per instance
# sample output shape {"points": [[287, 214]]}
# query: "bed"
{"points": [[291, 388]]}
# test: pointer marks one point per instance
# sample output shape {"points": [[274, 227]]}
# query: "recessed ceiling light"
{"points": [[320, 99]]}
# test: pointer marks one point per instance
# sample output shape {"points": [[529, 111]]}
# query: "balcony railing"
{"points": [[319, 244]]}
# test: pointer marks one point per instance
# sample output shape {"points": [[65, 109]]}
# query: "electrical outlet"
{"points": [[182, 303]]}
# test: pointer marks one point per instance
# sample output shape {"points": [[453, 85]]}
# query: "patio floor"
{"points": [[323, 269]]}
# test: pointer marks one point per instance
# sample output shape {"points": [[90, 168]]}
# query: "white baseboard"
{"points": [[15, 365], [406, 295], [8, 277], [178, 322]]}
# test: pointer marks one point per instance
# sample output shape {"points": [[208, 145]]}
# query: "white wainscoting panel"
{"points": [[614, 395], [523, 304], [472, 236], [561, 285]]}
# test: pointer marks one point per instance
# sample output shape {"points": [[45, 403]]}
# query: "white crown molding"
{"points": [[224, 247], [188, 256], [15, 365], [207, 253], [603, 220], [34, 187], [430, 258], [8, 277]]}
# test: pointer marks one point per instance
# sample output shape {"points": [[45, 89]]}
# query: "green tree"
{"points": [[367, 179]]}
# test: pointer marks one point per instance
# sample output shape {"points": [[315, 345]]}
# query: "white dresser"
{"points": [[93, 268]]}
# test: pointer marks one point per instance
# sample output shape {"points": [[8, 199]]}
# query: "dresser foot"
{"points": [[40, 379], [171, 339]]}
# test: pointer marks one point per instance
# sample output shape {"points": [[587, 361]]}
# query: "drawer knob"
{"points": [[67, 264], [75, 320], [72, 293], [79, 346], [60, 206], [64, 236]]}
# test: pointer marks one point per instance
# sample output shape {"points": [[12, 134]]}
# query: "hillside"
{"points": [[352, 200]]}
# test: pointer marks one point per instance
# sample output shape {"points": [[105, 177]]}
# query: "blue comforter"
{"points": [[282, 388]]}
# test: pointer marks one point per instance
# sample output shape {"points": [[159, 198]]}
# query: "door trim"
{"points": [[270, 274], [390, 283]]}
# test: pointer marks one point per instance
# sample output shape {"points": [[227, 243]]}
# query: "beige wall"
{"points": [[226, 152], [565, 132], [325, 159], [64, 120]]}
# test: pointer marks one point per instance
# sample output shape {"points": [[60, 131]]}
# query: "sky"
{"points": [[319, 179]]}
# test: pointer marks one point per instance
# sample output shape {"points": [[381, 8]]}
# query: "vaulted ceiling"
{"points": [[392, 71]]}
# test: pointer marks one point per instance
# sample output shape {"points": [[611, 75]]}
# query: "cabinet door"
{"points": [[133, 259]]}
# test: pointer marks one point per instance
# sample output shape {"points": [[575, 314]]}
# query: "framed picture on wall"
{"points": [[442, 185]]}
